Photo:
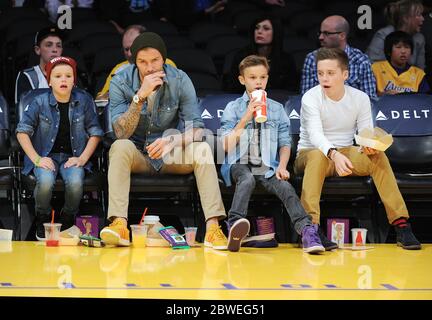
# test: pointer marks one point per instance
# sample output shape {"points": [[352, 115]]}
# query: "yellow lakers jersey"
{"points": [[387, 78]]}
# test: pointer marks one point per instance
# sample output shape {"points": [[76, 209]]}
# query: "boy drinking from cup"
{"points": [[258, 152], [59, 131]]}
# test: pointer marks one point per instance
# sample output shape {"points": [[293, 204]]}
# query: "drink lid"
{"points": [[151, 219]]}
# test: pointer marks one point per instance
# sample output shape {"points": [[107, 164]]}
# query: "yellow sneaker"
{"points": [[116, 234], [215, 238]]}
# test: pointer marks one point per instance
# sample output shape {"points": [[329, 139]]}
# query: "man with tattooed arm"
{"points": [[156, 119]]}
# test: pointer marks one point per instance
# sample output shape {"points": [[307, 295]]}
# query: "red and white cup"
{"points": [[359, 236], [260, 114]]}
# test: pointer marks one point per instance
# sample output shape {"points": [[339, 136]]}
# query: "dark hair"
{"points": [[395, 12], [252, 61], [333, 54], [47, 32], [277, 41], [394, 38]]}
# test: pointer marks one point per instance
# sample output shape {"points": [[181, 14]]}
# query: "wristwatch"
{"points": [[329, 153], [137, 100]]}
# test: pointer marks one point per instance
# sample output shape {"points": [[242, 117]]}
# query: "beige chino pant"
{"points": [[125, 158], [316, 167]]}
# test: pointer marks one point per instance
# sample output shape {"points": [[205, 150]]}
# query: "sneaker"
{"points": [[40, 229], [406, 239], [66, 220], [311, 240], [215, 238], [327, 244], [116, 234], [237, 232]]}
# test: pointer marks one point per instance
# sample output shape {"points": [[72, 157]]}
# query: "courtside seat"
{"points": [[407, 118], [92, 182], [8, 181]]}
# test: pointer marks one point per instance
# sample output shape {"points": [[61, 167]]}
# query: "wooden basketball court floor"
{"points": [[30, 269]]}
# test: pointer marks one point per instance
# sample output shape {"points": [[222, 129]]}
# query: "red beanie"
{"points": [[60, 60]]}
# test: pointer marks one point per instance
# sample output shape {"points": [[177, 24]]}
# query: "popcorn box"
{"points": [[375, 138], [89, 225]]}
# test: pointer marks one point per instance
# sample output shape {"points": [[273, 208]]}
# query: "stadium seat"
{"points": [[220, 46], [407, 118], [8, 173], [202, 33]]}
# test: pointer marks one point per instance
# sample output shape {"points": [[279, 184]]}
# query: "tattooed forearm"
{"points": [[125, 126]]}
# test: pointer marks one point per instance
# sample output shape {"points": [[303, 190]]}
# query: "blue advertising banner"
{"points": [[404, 115], [292, 108]]}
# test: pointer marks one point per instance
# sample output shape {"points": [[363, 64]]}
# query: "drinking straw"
{"points": [[142, 218], [52, 224]]}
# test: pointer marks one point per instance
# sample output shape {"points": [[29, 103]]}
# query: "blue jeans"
{"points": [[245, 183], [73, 178]]}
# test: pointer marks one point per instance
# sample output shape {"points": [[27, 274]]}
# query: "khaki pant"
{"points": [[316, 166], [125, 158]]}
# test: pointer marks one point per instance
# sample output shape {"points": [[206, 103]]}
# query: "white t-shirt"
{"points": [[43, 83], [326, 124]]}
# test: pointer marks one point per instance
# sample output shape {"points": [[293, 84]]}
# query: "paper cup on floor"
{"points": [[139, 235], [52, 234], [358, 236], [190, 235], [6, 235]]}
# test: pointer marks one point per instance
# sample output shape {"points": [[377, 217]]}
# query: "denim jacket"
{"points": [[175, 107], [41, 120], [275, 134]]}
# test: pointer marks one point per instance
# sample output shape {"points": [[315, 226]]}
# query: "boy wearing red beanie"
{"points": [[59, 131]]}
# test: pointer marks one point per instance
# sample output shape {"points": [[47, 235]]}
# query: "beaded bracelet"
{"points": [[38, 159]]}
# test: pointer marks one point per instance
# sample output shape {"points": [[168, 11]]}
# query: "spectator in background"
{"points": [[266, 41], [395, 75], [427, 32], [129, 36], [333, 33], [48, 44], [403, 15]]}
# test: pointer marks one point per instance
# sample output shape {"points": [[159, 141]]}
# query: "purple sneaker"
{"points": [[310, 239], [237, 232]]}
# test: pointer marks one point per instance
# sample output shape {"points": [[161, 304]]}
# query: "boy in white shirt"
{"points": [[331, 113]]}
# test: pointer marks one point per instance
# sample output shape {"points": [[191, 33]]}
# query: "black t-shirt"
{"points": [[62, 143]]}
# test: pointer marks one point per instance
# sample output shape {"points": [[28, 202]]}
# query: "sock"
{"points": [[400, 223]]}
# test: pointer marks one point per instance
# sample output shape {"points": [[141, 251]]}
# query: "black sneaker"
{"points": [[406, 239], [237, 232], [40, 229], [66, 220], [327, 244]]}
